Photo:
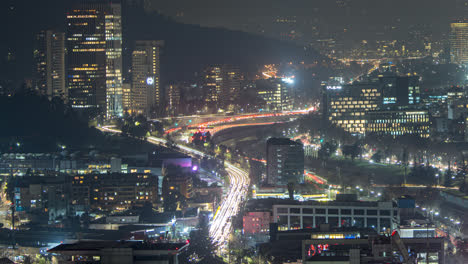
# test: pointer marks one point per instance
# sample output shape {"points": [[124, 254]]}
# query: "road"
{"points": [[221, 226], [218, 120]]}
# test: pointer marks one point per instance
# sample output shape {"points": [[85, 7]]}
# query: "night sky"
{"points": [[21, 19], [340, 12]]}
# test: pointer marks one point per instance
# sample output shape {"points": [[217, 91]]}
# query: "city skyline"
{"points": [[226, 132]]}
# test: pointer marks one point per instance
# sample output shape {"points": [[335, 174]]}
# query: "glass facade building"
{"points": [[276, 93], [94, 54], [398, 123], [146, 88], [459, 42], [348, 105], [376, 215], [389, 106]]}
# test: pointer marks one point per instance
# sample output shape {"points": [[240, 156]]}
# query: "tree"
{"points": [[158, 127], [172, 200], [352, 150], [448, 178], [326, 150], [201, 137], [201, 248], [377, 157]]}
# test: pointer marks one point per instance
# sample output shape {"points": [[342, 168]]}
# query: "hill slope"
{"points": [[190, 47]]}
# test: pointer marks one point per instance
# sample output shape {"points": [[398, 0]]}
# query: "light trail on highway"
{"points": [[239, 181], [217, 129], [221, 226], [241, 117]]}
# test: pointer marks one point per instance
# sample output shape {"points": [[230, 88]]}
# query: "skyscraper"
{"points": [[49, 56], [346, 106], [94, 46], [127, 97], [55, 54], [173, 98], [276, 94], [459, 42], [146, 91], [40, 62], [212, 82], [230, 85], [221, 84], [114, 90]]}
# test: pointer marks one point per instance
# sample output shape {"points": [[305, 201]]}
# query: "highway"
{"points": [[221, 226], [230, 119]]}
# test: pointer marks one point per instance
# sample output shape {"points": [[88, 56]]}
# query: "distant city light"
{"points": [[195, 168], [288, 80]]}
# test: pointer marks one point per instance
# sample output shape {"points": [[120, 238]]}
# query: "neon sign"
{"points": [[150, 80], [317, 249], [334, 87]]}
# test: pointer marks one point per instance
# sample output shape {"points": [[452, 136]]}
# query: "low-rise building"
{"points": [[256, 222], [182, 183], [118, 252], [398, 123], [115, 191], [43, 195], [349, 245], [285, 161], [381, 216]]}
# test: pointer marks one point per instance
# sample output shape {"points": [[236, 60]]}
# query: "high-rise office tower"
{"points": [[55, 43], [212, 82], [127, 97], [114, 90], [49, 55], [230, 85], [173, 98], [276, 94], [40, 62], [94, 46], [459, 42], [146, 91], [346, 106], [221, 85]]}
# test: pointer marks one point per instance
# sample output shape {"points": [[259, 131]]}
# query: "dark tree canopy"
{"points": [[32, 123]]}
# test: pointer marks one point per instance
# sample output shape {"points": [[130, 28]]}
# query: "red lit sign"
{"points": [[317, 249]]}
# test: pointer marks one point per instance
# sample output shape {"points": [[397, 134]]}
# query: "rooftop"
{"points": [[135, 245]]}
